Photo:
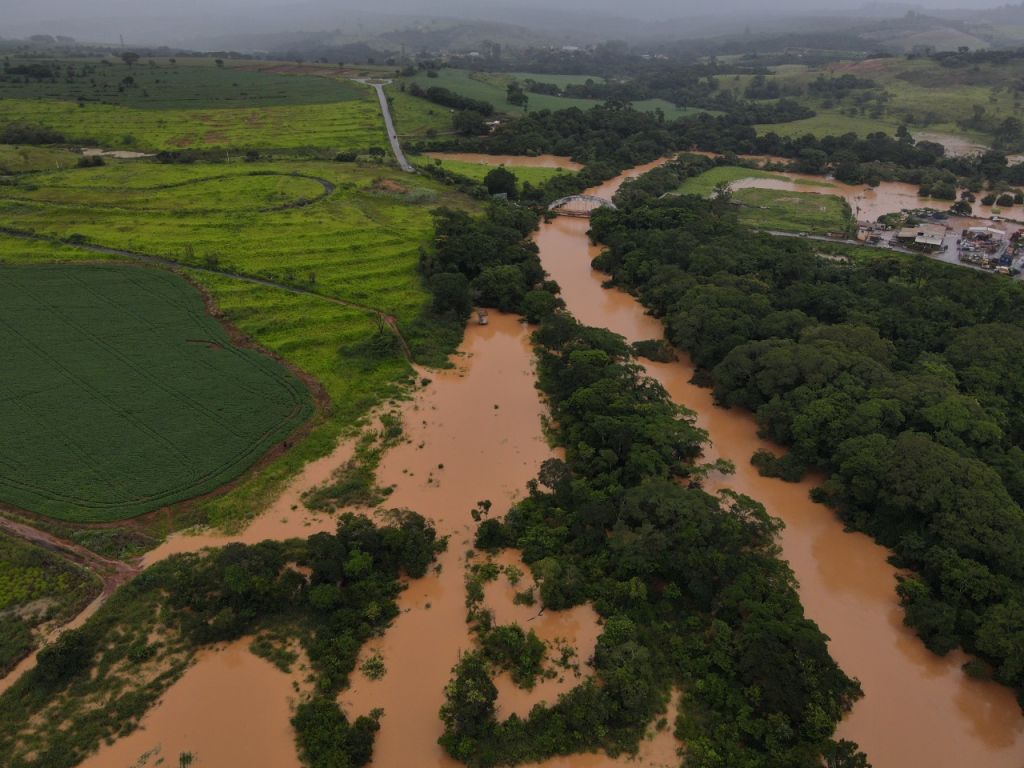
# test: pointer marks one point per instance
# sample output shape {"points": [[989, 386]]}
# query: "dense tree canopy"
{"points": [[689, 584], [899, 376], [190, 601]]}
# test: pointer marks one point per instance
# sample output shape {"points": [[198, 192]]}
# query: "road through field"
{"points": [[396, 147]]}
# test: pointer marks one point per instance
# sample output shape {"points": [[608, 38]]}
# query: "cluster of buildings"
{"points": [[927, 236], [985, 247], [922, 237]]}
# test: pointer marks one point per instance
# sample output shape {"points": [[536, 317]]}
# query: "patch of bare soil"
{"points": [[389, 185]]}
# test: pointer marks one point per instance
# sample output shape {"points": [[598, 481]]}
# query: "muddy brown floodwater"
{"points": [[868, 203], [230, 708], [918, 708], [475, 433]]}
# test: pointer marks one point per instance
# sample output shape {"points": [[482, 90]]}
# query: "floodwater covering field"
{"points": [[866, 203], [123, 394], [472, 433]]}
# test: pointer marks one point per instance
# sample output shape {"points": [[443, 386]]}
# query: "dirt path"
{"points": [[164, 261], [113, 573]]}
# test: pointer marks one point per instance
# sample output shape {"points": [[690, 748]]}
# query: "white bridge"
{"points": [[580, 205]]}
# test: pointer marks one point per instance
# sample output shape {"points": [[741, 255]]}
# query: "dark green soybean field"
{"points": [[122, 394]]}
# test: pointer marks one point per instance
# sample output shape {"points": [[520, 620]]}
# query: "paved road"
{"points": [[825, 239], [378, 86], [948, 256]]}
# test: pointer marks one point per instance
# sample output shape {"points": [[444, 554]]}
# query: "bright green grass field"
{"points": [[792, 211], [705, 183], [931, 97], [16, 250], [490, 87], [27, 159], [502, 79], [122, 394], [417, 118], [196, 106], [360, 244], [830, 123], [477, 171]]}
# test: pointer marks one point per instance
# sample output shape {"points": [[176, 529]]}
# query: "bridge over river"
{"points": [[579, 205]]}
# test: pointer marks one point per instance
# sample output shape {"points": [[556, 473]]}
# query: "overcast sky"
{"points": [[22, 11], [170, 20]]}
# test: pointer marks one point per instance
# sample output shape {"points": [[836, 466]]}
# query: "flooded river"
{"points": [[475, 433], [918, 709]]}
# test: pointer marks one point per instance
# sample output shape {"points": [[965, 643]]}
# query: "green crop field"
{"points": [[123, 395], [336, 345], [490, 87], [160, 84], [192, 104], [360, 243], [478, 171]]}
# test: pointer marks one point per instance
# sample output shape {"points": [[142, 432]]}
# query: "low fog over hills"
{"points": [[266, 24]]}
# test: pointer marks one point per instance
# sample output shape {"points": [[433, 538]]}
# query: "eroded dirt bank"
{"points": [[918, 709]]}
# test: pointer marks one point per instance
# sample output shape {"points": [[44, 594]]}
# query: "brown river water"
{"points": [[918, 708], [474, 433]]}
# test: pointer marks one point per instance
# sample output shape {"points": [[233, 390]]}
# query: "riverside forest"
{"points": [[433, 387]]}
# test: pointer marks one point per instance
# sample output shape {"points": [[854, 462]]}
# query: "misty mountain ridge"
{"points": [[265, 26]]}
